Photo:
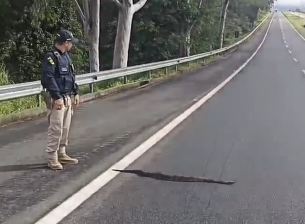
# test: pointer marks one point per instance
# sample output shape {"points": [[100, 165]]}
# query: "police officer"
{"points": [[60, 93]]}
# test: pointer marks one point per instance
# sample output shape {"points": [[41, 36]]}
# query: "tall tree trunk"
{"points": [[185, 46], [94, 56], [122, 39], [186, 30], [223, 18], [90, 15]]}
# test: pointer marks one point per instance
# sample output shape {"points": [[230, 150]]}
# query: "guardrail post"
{"points": [[176, 68], [149, 75], [38, 99], [166, 70], [125, 80], [91, 86]]}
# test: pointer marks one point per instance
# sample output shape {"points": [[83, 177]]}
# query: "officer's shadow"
{"points": [[24, 167]]}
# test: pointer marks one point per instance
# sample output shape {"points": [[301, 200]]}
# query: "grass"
{"points": [[16, 105], [297, 22], [19, 105], [262, 15]]}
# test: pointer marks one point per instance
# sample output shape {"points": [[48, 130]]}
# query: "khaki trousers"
{"points": [[59, 126]]}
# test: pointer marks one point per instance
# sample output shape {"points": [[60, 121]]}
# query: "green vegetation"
{"points": [[157, 34], [297, 22], [13, 105]]}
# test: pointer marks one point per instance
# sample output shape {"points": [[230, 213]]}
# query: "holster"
{"points": [[47, 99], [65, 101]]}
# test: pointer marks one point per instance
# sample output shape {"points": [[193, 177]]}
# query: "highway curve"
{"points": [[250, 132]]}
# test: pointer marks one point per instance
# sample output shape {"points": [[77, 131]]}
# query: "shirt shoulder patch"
{"points": [[50, 60]]}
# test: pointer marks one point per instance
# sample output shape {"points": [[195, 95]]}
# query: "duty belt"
{"points": [[48, 99]]}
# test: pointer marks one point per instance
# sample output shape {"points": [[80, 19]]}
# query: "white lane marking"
{"points": [[285, 41], [289, 52], [303, 72], [69, 205], [295, 59], [287, 46], [294, 28]]}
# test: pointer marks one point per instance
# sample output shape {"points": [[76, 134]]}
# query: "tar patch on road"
{"points": [[174, 178]]}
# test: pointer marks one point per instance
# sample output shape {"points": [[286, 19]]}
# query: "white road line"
{"points": [[285, 41], [68, 206], [289, 51], [303, 72], [294, 28], [287, 46], [295, 59]]}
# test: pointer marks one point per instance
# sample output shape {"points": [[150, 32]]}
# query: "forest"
{"points": [[117, 33]]}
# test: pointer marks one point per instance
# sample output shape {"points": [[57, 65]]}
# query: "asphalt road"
{"points": [[252, 132], [294, 43], [105, 130]]}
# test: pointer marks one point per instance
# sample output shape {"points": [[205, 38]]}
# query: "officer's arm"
{"points": [[48, 70], [75, 86], [75, 89]]}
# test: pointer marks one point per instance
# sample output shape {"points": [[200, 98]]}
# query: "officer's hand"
{"points": [[76, 100], [59, 104]]}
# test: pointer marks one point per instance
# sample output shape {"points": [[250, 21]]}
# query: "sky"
{"points": [[290, 3]]}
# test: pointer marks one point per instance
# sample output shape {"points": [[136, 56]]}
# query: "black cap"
{"points": [[66, 35]]}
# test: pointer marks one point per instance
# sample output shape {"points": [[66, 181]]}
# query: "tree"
{"points": [[205, 34], [127, 9], [90, 16], [194, 13], [161, 30], [27, 36], [243, 14], [225, 5]]}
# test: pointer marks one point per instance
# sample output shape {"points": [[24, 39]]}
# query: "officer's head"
{"points": [[65, 40]]}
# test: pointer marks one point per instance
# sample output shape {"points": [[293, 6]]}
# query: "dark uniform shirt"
{"points": [[58, 77]]}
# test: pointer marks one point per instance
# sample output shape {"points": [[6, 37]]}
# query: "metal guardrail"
{"points": [[14, 91]]}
